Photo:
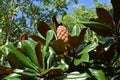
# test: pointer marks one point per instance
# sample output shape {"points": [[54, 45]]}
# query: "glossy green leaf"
{"points": [[49, 36], [43, 28], [20, 57], [29, 51], [77, 76], [89, 48], [100, 28], [75, 31], [13, 76], [99, 75], [83, 58]]}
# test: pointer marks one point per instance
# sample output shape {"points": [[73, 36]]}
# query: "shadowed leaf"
{"points": [[99, 28], [76, 40], [37, 39], [55, 23], [52, 72], [13, 62], [110, 53], [5, 70], [116, 9], [104, 16], [58, 46], [43, 28], [39, 54]]}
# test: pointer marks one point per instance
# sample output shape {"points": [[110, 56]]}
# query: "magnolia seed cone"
{"points": [[63, 33]]}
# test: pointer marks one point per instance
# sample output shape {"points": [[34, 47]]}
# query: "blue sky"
{"points": [[87, 3]]}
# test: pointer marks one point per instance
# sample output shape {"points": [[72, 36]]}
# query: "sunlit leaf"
{"points": [[99, 75], [75, 31], [88, 48], [49, 36], [83, 58], [20, 57], [43, 28], [29, 51]]}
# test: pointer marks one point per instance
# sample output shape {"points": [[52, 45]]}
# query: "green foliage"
{"points": [[44, 56]]}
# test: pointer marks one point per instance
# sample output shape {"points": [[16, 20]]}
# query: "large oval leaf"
{"points": [[49, 36], [77, 76], [39, 54], [13, 62], [55, 23], [37, 39], [43, 28], [58, 46], [83, 58], [99, 28], [104, 16], [20, 57], [75, 31], [116, 8], [89, 48], [30, 52], [99, 75], [76, 40]]}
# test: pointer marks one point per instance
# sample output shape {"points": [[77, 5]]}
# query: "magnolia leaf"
{"points": [[20, 57], [58, 46], [99, 75], [43, 28], [37, 39], [106, 18], [77, 76], [76, 40], [88, 48], [83, 58], [75, 31], [55, 23], [99, 28], [39, 54], [29, 51], [116, 9], [53, 72], [5, 70], [49, 36], [13, 62]]}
